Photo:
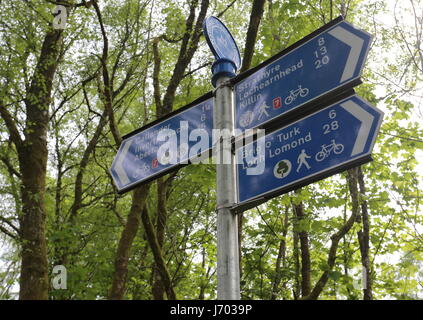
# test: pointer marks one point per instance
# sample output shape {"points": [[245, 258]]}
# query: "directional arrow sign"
{"points": [[323, 143], [138, 161], [327, 61]]}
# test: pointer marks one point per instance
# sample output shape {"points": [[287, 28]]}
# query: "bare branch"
{"points": [[11, 125], [226, 9], [10, 167], [8, 233]]}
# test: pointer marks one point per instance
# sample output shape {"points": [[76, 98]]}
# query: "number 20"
{"points": [[320, 63]]}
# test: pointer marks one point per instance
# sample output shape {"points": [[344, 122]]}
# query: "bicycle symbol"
{"points": [[327, 149], [293, 94]]}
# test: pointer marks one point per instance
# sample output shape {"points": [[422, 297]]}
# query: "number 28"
{"points": [[334, 125]]}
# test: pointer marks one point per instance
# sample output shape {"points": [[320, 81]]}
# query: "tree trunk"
{"points": [[281, 258], [34, 266], [346, 255], [78, 191], [157, 253], [33, 155], [140, 194], [255, 19], [193, 31], [139, 197], [364, 241], [296, 253], [189, 46], [203, 285], [321, 283], [162, 188], [305, 252]]}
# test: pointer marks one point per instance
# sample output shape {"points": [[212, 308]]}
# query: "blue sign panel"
{"points": [[138, 157], [332, 59], [331, 138], [220, 41]]}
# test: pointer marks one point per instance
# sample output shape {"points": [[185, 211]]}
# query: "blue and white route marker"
{"points": [[314, 147], [220, 41], [332, 59], [139, 160]]}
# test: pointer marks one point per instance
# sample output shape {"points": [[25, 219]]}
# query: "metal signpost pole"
{"points": [[228, 287], [228, 60]]}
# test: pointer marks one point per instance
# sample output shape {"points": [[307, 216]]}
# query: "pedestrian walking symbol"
{"points": [[262, 111], [302, 160]]}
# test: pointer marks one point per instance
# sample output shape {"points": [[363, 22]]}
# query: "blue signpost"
{"points": [[328, 141], [137, 159], [298, 81], [329, 61]]}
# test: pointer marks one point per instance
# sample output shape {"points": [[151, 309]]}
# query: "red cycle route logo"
{"points": [[155, 163], [277, 103]]}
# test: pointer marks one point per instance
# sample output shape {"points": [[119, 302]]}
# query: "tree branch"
{"points": [[10, 167], [156, 73], [10, 224], [255, 18], [108, 98], [11, 125], [8, 233], [352, 182], [226, 9]]}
